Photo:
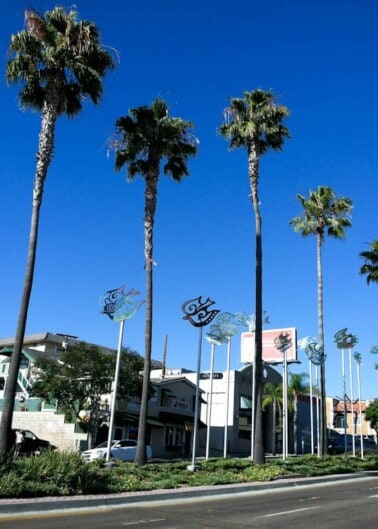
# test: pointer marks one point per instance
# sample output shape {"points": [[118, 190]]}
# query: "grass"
{"points": [[64, 474]]}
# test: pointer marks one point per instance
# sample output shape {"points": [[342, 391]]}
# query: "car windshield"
{"points": [[105, 444]]}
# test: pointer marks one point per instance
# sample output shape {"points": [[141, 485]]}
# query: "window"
{"points": [[339, 421], [174, 436], [163, 398]]}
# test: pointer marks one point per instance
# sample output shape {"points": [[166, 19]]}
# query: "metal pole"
{"points": [[210, 401], [253, 369], [351, 401], [317, 412], [114, 392], [345, 402], [360, 409], [286, 405], [196, 407], [225, 440], [311, 408]]}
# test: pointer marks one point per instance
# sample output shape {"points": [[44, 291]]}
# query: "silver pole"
{"points": [[196, 407], [253, 369], [351, 401], [210, 401], [285, 410], [311, 408], [345, 402], [317, 411], [360, 409], [225, 440], [114, 392]]}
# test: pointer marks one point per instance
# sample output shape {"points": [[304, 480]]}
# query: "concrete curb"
{"points": [[10, 506]]}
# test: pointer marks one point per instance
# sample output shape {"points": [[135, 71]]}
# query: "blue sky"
{"points": [[320, 59]]}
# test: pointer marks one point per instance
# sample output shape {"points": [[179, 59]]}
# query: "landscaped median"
{"points": [[65, 474]]}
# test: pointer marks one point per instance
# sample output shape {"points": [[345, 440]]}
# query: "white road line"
{"points": [[145, 521], [288, 512]]}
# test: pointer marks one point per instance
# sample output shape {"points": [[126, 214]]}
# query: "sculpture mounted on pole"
{"points": [[119, 305], [198, 314]]}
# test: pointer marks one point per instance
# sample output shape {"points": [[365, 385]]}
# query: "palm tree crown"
{"points": [[323, 214], [58, 59], [149, 135], [370, 267], [255, 120]]}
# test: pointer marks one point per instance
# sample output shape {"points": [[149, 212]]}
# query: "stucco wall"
{"points": [[50, 426]]}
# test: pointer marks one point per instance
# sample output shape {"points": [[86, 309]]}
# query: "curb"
{"points": [[51, 504]]}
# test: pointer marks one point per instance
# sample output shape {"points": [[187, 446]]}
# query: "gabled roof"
{"points": [[172, 380]]}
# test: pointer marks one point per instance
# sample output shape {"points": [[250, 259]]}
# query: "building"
{"points": [[226, 407], [353, 418], [171, 407], [231, 409]]}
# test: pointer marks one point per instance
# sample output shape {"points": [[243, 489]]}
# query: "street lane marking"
{"points": [[152, 520], [288, 512]]}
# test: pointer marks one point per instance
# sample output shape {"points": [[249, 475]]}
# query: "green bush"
{"points": [[59, 473]]}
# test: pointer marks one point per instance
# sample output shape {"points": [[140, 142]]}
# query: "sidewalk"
{"points": [[10, 506]]}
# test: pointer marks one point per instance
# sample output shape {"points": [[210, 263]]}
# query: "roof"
{"points": [[171, 380], [60, 339]]}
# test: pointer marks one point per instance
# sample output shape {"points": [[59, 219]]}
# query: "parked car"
{"points": [[32, 445], [125, 449], [336, 445]]}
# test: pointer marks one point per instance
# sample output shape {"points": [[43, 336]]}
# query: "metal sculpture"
{"points": [[197, 311], [119, 305], [198, 314]]}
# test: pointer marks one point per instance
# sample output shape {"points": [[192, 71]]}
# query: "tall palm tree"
{"points": [[272, 396], [323, 214], [148, 138], [59, 62], [255, 123], [370, 267]]}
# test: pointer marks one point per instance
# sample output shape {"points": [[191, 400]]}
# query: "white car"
{"points": [[125, 449]]}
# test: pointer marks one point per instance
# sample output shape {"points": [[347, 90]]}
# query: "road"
{"points": [[349, 504]]}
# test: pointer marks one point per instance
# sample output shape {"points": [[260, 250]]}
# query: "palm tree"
{"points": [[59, 62], [323, 214], [255, 123], [148, 137], [370, 267], [297, 387], [272, 396]]}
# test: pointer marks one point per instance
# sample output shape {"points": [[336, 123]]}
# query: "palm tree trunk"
{"points": [[44, 155], [150, 209], [257, 426], [323, 422]]}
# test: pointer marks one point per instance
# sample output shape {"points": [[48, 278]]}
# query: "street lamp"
{"points": [[198, 314]]}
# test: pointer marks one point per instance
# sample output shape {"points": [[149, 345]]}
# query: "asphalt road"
{"points": [[349, 504]]}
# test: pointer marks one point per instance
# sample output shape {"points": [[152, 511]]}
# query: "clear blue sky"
{"points": [[321, 60]]}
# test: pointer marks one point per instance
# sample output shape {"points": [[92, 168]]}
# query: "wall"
{"points": [[49, 426]]}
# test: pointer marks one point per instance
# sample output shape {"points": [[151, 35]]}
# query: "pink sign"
{"points": [[270, 338]]}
